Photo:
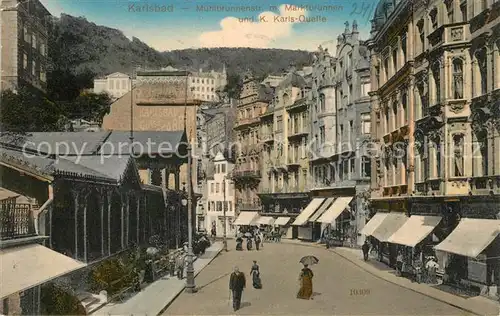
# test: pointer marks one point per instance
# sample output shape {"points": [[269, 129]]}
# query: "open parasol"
{"points": [[248, 235], [309, 260]]}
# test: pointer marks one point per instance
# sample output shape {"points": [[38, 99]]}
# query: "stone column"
{"points": [[85, 230], [76, 195], [123, 200], [110, 202], [101, 201]]}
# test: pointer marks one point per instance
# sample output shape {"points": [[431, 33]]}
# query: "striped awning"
{"points": [[322, 209], [246, 218], [308, 212], [335, 210], [265, 220], [281, 221]]}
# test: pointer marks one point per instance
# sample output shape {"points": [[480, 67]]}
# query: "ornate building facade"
{"points": [[254, 99], [435, 120], [24, 48], [284, 134]]}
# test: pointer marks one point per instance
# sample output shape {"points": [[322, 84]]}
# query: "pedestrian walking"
{"points": [[306, 287], [366, 249], [237, 283], [257, 241], [255, 273], [399, 263], [249, 243], [432, 267], [181, 259], [171, 265]]}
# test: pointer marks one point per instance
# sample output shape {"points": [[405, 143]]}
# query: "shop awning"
{"points": [[308, 211], [470, 237], [414, 230], [265, 220], [27, 266], [281, 221], [391, 223], [373, 223], [335, 209], [321, 209], [246, 218]]}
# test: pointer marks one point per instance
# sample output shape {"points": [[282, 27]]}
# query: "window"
{"points": [[351, 130], [463, 10], [366, 167], [394, 61], [279, 123], [25, 61], [481, 61], [365, 123], [395, 116], [449, 9], [217, 188], [458, 155], [223, 168], [322, 106], [433, 18], [458, 79], [33, 68], [437, 82], [404, 47], [26, 35], [322, 134], [211, 188], [202, 81], [404, 106], [421, 32], [212, 81], [43, 75], [386, 68], [42, 49], [33, 41]]}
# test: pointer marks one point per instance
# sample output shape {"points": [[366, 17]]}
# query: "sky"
{"points": [[178, 24]]}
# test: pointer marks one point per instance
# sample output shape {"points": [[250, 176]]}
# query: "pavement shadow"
{"points": [[245, 304], [316, 294], [213, 281]]}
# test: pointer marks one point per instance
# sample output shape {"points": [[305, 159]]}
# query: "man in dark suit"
{"points": [[237, 283]]}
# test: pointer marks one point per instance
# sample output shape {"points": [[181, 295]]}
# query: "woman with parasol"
{"points": [[305, 278]]}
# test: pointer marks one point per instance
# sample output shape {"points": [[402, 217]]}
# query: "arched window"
{"points": [[322, 102], [481, 60], [458, 79], [436, 73]]}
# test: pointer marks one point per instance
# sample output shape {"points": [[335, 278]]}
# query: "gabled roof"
{"points": [[117, 75]]}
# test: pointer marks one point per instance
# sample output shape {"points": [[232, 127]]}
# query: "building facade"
{"points": [[205, 85], [116, 84], [220, 201], [24, 49], [284, 135], [435, 120], [254, 99]]}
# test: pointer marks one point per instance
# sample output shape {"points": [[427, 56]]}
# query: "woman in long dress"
{"points": [[305, 278], [255, 273]]}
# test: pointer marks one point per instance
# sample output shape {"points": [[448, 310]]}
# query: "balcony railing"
{"points": [[298, 130], [249, 204], [247, 173], [16, 221], [267, 137], [247, 121]]}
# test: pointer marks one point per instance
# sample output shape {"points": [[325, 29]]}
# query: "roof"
{"points": [[149, 142], [294, 79], [265, 93]]}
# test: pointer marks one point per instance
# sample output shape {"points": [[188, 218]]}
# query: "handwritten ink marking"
{"points": [[360, 292], [365, 10]]}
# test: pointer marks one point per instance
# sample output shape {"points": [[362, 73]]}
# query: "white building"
{"points": [[115, 84], [220, 195], [205, 84]]}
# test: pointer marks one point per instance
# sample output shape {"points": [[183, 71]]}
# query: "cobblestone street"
{"points": [[340, 288]]}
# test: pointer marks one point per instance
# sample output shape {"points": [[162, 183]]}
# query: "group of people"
{"points": [[237, 283], [251, 237]]}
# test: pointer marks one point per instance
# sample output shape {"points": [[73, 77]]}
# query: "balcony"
{"points": [[246, 122], [293, 160], [449, 34], [251, 174], [267, 138], [485, 185], [249, 204], [16, 221], [299, 105], [298, 132]]}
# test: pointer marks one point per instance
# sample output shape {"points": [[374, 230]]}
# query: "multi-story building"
{"points": [[435, 117], [24, 36], [220, 198], [284, 134], [341, 128], [254, 99], [116, 84], [215, 135], [204, 85]]}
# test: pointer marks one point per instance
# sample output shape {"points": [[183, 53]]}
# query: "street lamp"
{"points": [[190, 285]]}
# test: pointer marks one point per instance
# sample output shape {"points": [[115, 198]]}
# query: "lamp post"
{"points": [[224, 214], [190, 285]]}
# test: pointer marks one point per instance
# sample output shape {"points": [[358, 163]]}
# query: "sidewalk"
{"points": [[477, 305], [153, 299]]}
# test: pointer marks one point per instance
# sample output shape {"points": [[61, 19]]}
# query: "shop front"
{"points": [[305, 228], [472, 253]]}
